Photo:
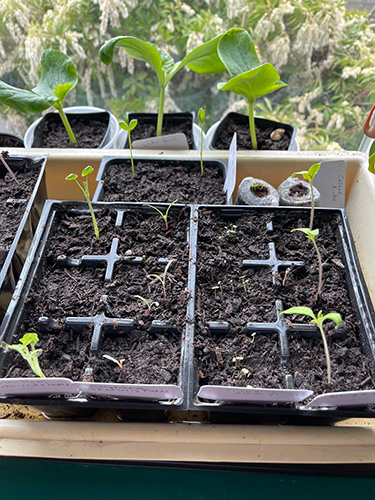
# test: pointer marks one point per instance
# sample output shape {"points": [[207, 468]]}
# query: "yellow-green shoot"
{"points": [[85, 190], [310, 175], [118, 362], [128, 127], [165, 216], [149, 303], [30, 355], [201, 117], [335, 317], [163, 279], [311, 234]]}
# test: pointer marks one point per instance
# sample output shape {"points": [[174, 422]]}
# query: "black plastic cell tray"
{"points": [[190, 407], [32, 208]]}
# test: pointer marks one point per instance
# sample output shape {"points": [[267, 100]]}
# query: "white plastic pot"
{"points": [[110, 139]]}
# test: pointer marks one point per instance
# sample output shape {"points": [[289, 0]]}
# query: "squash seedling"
{"points": [[335, 317], [311, 234], [201, 117], [58, 78], [163, 279], [248, 77], [204, 59], [149, 303], [119, 363], [369, 130], [165, 216], [128, 127], [30, 355], [310, 175], [85, 190]]}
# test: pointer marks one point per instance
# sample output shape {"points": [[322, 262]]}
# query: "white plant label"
{"points": [[230, 181], [330, 181], [164, 142], [252, 395], [37, 386], [337, 399], [132, 391]]}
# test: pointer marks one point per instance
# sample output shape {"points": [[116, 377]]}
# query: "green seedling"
{"points": [[148, 303], [230, 232], [215, 289], [30, 355], [119, 363], [203, 59], [311, 234], [243, 373], [310, 175], [335, 317], [85, 190], [248, 77], [165, 216], [58, 78], [237, 360], [232, 286], [163, 279], [245, 284], [128, 127], [201, 117]]}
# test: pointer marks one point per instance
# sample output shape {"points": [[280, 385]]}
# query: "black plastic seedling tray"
{"points": [[14, 255], [109, 163], [197, 401]]}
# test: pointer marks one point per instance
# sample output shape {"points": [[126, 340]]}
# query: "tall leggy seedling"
{"points": [[85, 190], [201, 117], [335, 317], [311, 235], [128, 127], [310, 175]]}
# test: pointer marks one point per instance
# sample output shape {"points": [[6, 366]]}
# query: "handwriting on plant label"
{"points": [[138, 391], [338, 399], [20, 386], [238, 394], [164, 142], [330, 181]]}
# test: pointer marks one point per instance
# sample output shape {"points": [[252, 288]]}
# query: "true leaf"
{"points": [[306, 311]]}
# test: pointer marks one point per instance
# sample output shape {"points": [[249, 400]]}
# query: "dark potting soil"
{"points": [[87, 135], [77, 291], [264, 141], [11, 208], [10, 142], [145, 129], [227, 292], [163, 182]]}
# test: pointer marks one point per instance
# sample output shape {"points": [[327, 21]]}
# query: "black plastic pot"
{"points": [[13, 256], [111, 166], [243, 121], [177, 122], [197, 401], [10, 141]]}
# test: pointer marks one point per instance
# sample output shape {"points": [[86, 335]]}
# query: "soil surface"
{"points": [[87, 135], [227, 292], [83, 292], [13, 198], [164, 182], [10, 142], [146, 128], [264, 141]]}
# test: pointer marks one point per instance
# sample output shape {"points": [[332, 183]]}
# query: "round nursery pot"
{"points": [[172, 123], [220, 134], [106, 125], [10, 141]]}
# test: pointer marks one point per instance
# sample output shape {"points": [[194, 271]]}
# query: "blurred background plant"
{"points": [[324, 52]]}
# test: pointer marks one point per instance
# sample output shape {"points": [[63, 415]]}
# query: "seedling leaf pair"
{"points": [[85, 190], [335, 317], [128, 127]]}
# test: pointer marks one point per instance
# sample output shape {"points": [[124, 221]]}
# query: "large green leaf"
{"points": [[24, 100], [335, 317], [204, 59], [138, 49], [58, 71], [305, 311], [254, 83], [237, 51]]}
